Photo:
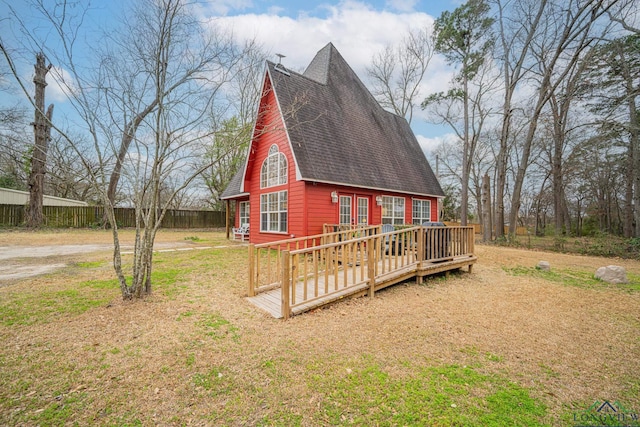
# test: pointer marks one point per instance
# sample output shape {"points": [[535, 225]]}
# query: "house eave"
{"points": [[388, 190], [235, 196]]}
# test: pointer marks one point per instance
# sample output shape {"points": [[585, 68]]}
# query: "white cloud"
{"points": [[355, 28], [429, 145], [60, 85]]}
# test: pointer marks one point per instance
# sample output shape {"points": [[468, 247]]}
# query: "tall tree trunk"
{"points": [[486, 208], [501, 166], [634, 144], [636, 169], [512, 78], [466, 155], [42, 135], [627, 225], [479, 203], [632, 166], [558, 181]]}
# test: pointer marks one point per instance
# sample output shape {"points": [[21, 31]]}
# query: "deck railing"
{"points": [[334, 265], [265, 260]]}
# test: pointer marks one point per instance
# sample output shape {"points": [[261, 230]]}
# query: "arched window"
{"points": [[274, 169]]}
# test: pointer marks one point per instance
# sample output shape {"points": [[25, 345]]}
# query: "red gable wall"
{"points": [[270, 131]]}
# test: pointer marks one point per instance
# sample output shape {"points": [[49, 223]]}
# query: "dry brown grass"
{"points": [[196, 353]]}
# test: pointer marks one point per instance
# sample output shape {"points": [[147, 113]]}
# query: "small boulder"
{"points": [[544, 266], [612, 274]]}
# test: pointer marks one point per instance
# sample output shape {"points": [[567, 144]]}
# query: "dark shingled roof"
{"points": [[340, 134], [233, 189]]}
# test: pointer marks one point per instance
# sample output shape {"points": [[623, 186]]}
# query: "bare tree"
{"points": [[398, 71], [561, 103], [449, 108], [13, 147], [567, 33], [183, 63], [130, 67], [42, 135], [232, 124], [517, 27]]}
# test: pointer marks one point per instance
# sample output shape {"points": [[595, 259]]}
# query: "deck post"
{"points": [[371, 265], [286, 285], [227, 217], [252, 285], [421, 254]]}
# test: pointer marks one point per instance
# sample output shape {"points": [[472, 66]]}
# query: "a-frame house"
{"points": [[325, 152]]}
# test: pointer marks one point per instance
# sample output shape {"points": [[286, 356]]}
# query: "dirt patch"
{"points": [[10, 272], [46, 249]]}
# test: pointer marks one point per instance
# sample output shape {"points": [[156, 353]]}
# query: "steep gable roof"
{"points": [[340, 134]]}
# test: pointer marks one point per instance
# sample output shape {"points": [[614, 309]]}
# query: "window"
{"points": [[273, 212], [363, 210], [345, 210], [244, 213], [421, 211], [392, 210], [274, 169]]}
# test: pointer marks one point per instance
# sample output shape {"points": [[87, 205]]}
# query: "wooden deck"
{"points": [[271, 301], [290, 277]]}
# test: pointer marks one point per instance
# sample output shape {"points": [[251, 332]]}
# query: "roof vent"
{"points": [[279, 66]]}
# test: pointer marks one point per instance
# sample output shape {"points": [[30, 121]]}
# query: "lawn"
{"points": [[506, 345]]}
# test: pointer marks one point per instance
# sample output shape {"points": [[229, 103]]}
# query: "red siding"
{"points": [[320, 209], [434, 209], [236, 218], [273, 133]]}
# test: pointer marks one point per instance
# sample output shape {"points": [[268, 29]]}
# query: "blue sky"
{"points": [[298, 29]]}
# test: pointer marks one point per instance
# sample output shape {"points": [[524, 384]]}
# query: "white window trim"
{"points": [[341, 214], [413, 206], [275, 159], [247, 212], [358, 213], [280, 195], [393, 218]]}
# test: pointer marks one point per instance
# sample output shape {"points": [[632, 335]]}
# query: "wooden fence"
{"points": [[89, 216]]}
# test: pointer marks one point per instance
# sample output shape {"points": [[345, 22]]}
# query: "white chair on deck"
{"points": [[241, 233]]}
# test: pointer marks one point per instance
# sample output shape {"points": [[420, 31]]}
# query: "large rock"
{"points": [[612, 274], [544, 266]]}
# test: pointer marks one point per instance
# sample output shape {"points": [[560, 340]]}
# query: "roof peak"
{"points": [[318, 69]]}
